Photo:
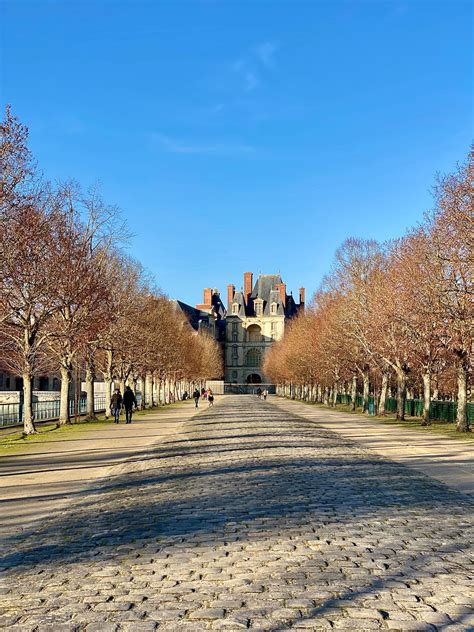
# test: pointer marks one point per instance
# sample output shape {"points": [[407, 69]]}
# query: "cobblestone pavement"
{"points": [[249, 518]]}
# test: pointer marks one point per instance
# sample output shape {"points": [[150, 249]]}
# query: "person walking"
{"points": [[129, 400], [210, 398], [196, 396], [116, 405], [265, 393]]}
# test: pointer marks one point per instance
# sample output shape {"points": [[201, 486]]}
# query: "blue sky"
{"points": [[243, 136]]}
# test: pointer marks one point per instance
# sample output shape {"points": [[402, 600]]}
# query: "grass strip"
{"points": [[48, 432]]}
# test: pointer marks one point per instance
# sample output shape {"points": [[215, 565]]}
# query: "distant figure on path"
{"points": [[196, 396], [265, 393], [210, 398], [259, 393], [129, 400], [116, 405]]}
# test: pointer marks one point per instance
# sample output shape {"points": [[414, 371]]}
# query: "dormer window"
{"points": [[273, 308], [258, 304], [235, 309]]}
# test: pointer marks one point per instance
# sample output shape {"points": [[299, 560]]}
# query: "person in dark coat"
{"points": [[196, 396], [116, 405], [129, 400]]}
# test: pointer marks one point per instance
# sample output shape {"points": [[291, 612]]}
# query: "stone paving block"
{"points": [[347, 623], [207, 613], [138, 626], [164, 614], [410, 625]]}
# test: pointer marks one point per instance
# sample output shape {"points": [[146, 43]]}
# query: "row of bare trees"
{"points": [[396, 315], [69, 296]]}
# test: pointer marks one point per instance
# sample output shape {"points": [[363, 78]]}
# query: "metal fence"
{"points": [[230, 388], [439, 410], [12, 414]]}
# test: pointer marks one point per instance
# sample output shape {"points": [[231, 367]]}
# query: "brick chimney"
{"points": [[302, 293], [207, 303], [281, 287], [248, 283], [230, 295]]}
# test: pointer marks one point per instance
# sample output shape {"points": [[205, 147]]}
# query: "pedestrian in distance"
{"points": [[129, 400], [259, 393], [196, 396], [265, 393], [116, 405], [210, 398]]}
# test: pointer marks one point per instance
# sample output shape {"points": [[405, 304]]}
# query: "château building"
{"points": [[256, 316]]}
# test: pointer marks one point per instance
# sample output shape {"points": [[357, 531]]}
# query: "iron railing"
{"points": [[439, 410], [247, 389], [12, 414]]}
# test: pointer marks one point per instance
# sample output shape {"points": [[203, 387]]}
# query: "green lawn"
{"points": [[411, 423]]}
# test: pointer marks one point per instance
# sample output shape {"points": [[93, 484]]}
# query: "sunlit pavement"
{"points": [[249, 517]]}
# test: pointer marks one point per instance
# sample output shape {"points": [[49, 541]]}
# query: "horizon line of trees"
{"points": [[70, 297], [397, 315]]}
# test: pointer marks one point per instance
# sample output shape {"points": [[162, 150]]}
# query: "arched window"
{"points": [[253, 357], [254, 333]]}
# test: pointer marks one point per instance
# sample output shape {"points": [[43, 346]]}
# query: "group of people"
{"points": [[125, 402], [261, 393], [205, 394]]}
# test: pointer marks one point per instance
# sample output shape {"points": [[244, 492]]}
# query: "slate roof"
{"points": [[192, 314], [265, 289], [264, 285]]}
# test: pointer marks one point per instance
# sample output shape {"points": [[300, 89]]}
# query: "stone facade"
{"points": [[256, 317]]}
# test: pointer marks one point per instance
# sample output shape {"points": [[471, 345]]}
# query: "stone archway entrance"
{"points": [[254, 378]]}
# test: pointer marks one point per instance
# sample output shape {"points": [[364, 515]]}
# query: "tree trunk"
{"points": [[401, 394], [108, 382], [90, 411], [334, 394], [144, 392], [326, 396], [383, 394], [365, 394], [66, 372], [426, 396], [28, 419], [435, 393], [353, 392], [462, 425]]}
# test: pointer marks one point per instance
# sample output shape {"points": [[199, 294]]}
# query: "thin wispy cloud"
{"points": [[252, 66], [265, 52], [180, 146]]}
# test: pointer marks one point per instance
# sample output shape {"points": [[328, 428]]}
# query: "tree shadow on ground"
{"points": [[346, 521]]}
